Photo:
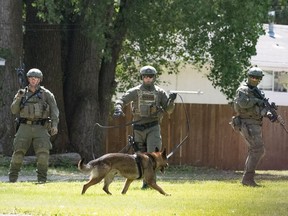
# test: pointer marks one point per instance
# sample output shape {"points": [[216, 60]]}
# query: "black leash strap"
{"points": [[116, 126], [188, 129]]}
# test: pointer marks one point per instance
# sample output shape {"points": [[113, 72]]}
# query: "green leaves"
{"points": [[221, 34]]}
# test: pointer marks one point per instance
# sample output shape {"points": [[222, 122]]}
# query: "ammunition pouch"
{"points": [[137, 147], [236, 123]]}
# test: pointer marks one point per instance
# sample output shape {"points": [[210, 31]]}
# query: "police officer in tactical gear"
{"points": [[38, 117], [248, 121], [149, 102]]}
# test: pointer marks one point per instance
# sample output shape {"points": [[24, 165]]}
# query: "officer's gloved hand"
{"points": [[172, 96], [53, 131], [118, 112], [271, 117], [20, 93]]}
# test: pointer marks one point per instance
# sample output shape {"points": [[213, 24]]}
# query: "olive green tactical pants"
{"points": [[252, 134], [38, 136], [148, 139]]}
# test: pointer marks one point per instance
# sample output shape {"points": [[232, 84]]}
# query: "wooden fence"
{"points": [[211, 140]]}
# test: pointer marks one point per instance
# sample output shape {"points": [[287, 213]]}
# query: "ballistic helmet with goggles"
{"points": [[255, 72], [34, 72], [148, 70]]}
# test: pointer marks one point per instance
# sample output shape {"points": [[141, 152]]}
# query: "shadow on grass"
{"points": [[206, 174], [172, 173]]}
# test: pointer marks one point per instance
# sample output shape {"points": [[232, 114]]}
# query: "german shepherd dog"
{"points": [[136, 166]]}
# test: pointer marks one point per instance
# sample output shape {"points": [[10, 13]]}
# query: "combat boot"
{"points": [[14, 171], [248, 180], [42, 167], [15, 165]]}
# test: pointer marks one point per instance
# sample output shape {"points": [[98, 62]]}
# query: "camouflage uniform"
{"points": [[148, 105], [149, 102], [250, 112], [38, 113]]}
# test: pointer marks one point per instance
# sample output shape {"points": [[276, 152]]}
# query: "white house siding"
{"points": [[191, 80]]}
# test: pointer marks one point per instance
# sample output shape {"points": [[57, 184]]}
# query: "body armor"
{"points": [[146, 105], [34, 107]]}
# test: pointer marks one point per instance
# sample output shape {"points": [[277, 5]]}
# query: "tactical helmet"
{"points": [[148, 70], [34, 72], [255, 71]]}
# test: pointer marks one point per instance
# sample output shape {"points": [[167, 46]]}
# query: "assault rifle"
{"points": [[271, 107], [22, 83], [21, 75]]}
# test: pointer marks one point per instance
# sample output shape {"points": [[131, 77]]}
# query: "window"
{"points": [[276, 81]]}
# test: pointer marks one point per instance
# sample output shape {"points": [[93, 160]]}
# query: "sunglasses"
{"points": [[148, 75], [256, 77]]}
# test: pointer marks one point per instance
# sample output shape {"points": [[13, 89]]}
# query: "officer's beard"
{"points": [[148, 86], [253, 83]]}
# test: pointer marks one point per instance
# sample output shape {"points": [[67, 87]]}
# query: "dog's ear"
{"points": [[156, 149]]}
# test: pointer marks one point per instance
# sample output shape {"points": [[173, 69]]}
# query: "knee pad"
{"points": [[17, 157], [259, 151], [42, 158]]}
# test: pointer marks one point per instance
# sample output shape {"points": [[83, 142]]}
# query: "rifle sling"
{"points": [[24, 102]]}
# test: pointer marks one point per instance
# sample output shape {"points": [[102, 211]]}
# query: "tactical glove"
{"points": [[172, 96], [118, 112], [20, 93], [271, 117], [53, 131]]}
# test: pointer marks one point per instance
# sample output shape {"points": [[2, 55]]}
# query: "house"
{"points": [[272, 58]]}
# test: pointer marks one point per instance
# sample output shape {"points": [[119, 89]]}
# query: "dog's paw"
{"points": [[167, 194]]}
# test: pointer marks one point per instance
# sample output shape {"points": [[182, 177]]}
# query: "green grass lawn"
{"points": [[194, 191]]}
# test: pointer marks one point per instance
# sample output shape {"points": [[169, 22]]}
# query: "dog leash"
{"points": [[116, 126], [188, 129], [133, 122], [131, 141]]}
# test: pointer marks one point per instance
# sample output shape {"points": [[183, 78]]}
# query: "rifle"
{"points": [[22, 83], [21, 75], [271, 107]]}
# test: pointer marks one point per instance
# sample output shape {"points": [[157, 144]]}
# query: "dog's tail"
{"points": [[85, 168]]}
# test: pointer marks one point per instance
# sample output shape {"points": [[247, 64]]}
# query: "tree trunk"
{"points": [[11, 50], [90, 85], [81, 96], [42, 44]]}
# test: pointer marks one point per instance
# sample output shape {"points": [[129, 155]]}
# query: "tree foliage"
{"points": [[281, 11], [220, 34]]}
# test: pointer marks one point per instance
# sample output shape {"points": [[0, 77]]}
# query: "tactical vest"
{"points": [[146, 105], [254, 112], [34, 107]]}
